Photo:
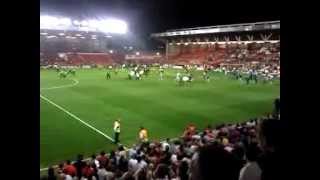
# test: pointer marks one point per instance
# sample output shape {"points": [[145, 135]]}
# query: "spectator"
{"points": [[51, 174], [270, 137], [183, 171], [79, 165], [231, 153], [112, 159], [213, 162], [165, 144], [103, 174], [87, 172], [94, 160], [69, 169], [162, 172], [251, 170], [133, 164], [103, 159]]}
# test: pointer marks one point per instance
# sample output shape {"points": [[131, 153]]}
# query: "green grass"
{"points": [[161, 106]]}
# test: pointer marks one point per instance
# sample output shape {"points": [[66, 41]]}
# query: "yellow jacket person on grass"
{"points": [[143, 134], [116, 130]]}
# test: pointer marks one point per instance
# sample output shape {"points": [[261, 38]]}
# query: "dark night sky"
{"points": [[149, 16]]}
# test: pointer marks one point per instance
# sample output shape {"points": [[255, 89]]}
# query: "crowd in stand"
{"points": [[242, 151], [225, 53]]}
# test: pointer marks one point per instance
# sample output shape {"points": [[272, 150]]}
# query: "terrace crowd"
{"points": [[242, 151]]}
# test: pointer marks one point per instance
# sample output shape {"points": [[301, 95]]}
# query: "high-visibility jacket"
{"points": [[116, 127]]}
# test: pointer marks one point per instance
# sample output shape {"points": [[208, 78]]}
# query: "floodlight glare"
{"points": [[75, 22], [113, 26], [84, 23], [49, 37], [64, 22], [48, 21], [93, 23], [137, 53]]}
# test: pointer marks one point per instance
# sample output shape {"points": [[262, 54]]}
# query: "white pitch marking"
{"points": [[76, 117], [72, 115], [64, 86]]}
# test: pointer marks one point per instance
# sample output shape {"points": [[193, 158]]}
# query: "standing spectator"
{"points": [[183, 171], [103, 174], [162, 172], [51, 175], [123, 164], [213, 162], [277, 107], [133, 164], [251, 170], [87, 171], [270, 137], [103, 159], [79, 165], [69, 169], [94, 160], [165, 144]]}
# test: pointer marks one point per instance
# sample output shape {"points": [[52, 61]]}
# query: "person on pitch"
{"points": [[116, 130], [161, 73], [108, 75], [143, 135]]}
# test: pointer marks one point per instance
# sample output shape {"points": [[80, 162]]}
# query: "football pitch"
{"points": [[77, 113]]}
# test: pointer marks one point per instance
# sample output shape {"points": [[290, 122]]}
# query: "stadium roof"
{"points": [[258, 26]]}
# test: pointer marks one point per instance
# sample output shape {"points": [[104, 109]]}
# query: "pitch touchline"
{"points": [[76, 117], [70, 114]]}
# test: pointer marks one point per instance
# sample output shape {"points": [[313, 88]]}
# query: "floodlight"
{"points": [[111, 51], [84, 23], [43, 34], [158, 53], [76, 22], [186, 44], [48, 21], [61, 34], [112, 26], [137, 53], [93, 23]]}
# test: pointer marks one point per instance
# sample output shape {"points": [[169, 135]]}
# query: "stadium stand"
{"points": [[245, 151], [215, 54]]}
